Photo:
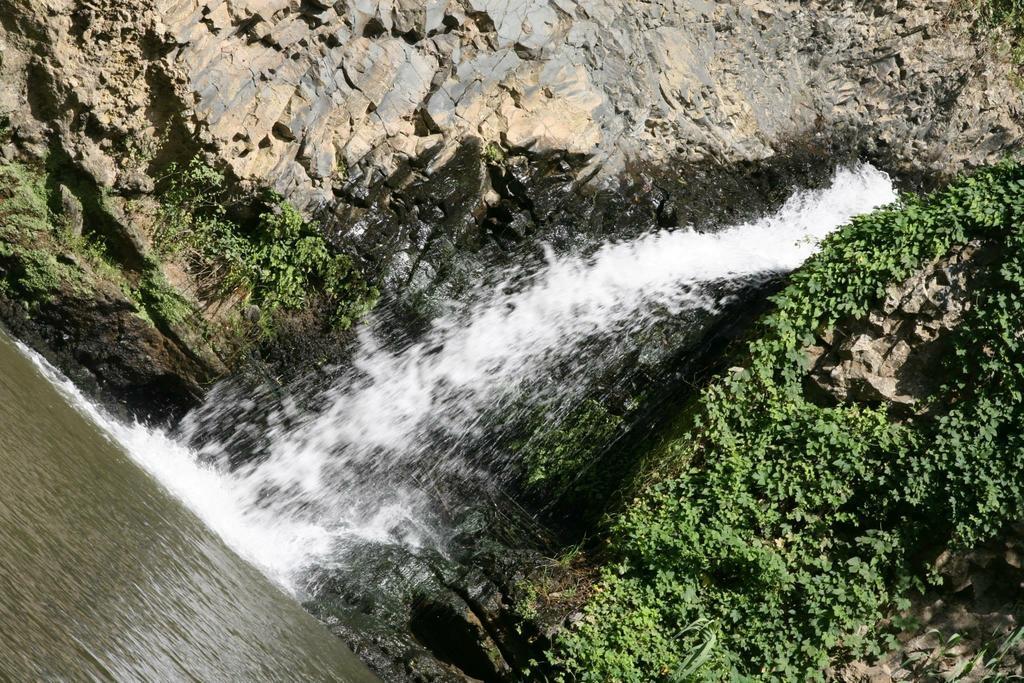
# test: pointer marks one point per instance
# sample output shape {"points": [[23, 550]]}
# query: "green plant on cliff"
{"points": [[29, 271], [288, 255], [1006, 16], [40, 257], [791, 528], [493, 153], [161, 299], [23, 203], [280, 262]]}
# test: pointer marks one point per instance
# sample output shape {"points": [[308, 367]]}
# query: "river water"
{"points": [[105, 576]]}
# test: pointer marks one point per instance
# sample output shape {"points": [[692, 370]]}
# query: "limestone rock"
{"points": [[312, 97], [888, 356]]}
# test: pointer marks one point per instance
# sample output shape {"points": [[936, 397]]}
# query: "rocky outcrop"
{"points": [[317, 95], [316, 98], [892, 355], [87, 76], [969, 629], [99, 339], [418, 129]]}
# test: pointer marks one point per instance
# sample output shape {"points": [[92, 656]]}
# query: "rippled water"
{"points": [[104, 575]]}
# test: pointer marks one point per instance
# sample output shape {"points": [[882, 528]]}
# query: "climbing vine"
{"points": [[280, 262], [793, 528]]}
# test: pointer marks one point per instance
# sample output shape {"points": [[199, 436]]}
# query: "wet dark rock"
{"points": [[430, 238], [101, 343], [453, 633], [389, 605], [420, 615]]}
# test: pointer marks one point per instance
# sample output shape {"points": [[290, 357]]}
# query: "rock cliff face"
{"points": [[421, 128], [321, 100], [312, 96], [416, 129]]}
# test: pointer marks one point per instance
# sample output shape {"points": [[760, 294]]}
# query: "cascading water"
{"points": [[360, 464]]}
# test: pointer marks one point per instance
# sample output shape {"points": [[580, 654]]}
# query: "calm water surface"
{"points": [[105, 576]]}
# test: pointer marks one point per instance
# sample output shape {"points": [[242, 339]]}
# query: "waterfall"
{"points": [[357, 466]]}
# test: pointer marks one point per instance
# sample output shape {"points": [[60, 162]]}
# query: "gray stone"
{"points": [[890, 355], [657, 81], [127, 232], [136, 181], [71, 211]]}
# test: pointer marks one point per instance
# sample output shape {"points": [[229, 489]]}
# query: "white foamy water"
{"points": [[359, 467], [269, 542]]}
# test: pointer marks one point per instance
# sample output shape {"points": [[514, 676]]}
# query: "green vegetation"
{"points": [[161, 299], [40, 258], [24, 203], [781, 531], [493, 153], [28, 269], [277, 260], [1005, 15], [282, 262]]}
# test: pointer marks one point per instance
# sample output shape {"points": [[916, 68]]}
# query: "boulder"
{"points": [[71, 211]]}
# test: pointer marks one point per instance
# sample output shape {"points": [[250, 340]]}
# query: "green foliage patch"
{"points": [[493, 153], [24, 203], [161, 299], [791, 529], [40, 258], [281, 262], [1007, 16], [29, 271]]}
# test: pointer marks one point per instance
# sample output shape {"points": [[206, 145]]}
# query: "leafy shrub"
{"points": [[1007, 15], [26, 269], [794, 528], [161, 299], [280, 263], [493, 153]]}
